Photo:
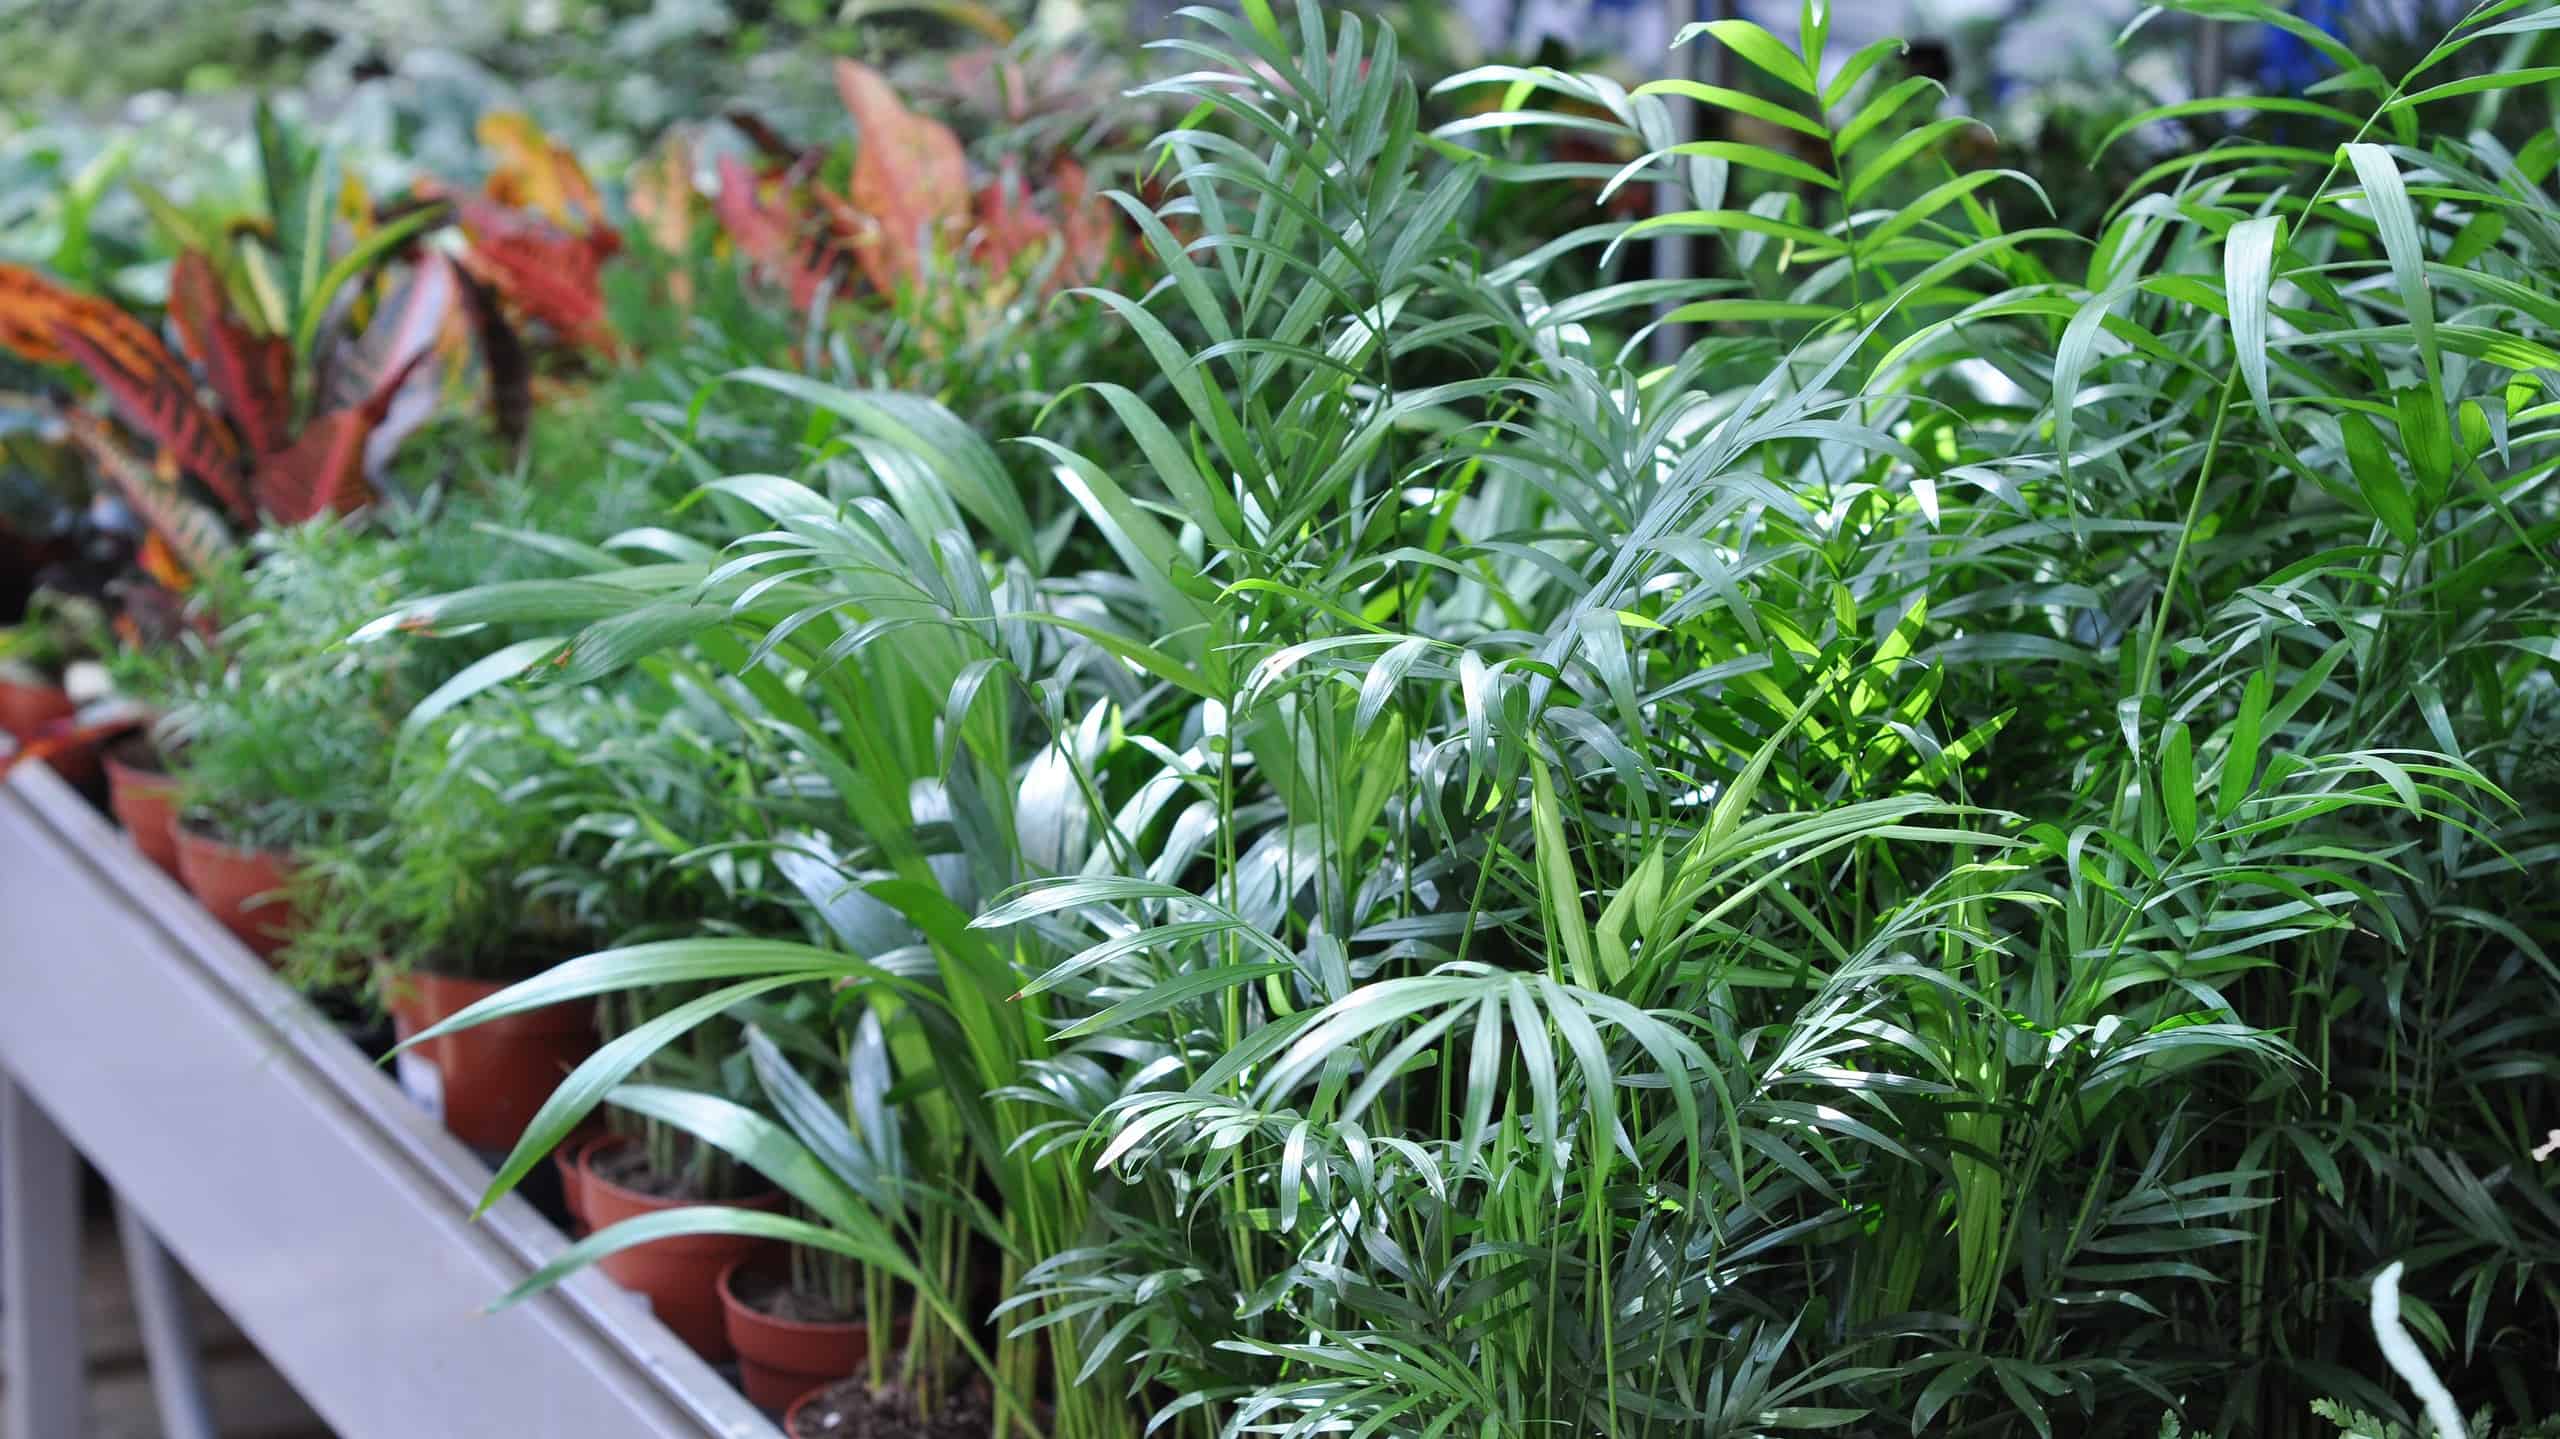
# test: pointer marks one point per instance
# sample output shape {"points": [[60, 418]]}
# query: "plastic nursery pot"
{"points": [[237, 887], [680, 1275], [485, 1082], [25, 708], [570, 1159], [145, 802], [795, 1421], [26, 711], [782, 1360], [849, 1408]]}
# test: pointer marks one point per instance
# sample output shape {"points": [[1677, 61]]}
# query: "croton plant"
{"points": [[908, 199], [301, 365]]}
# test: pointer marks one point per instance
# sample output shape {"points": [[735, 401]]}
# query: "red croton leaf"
{"points": [[321, 472], [1008, 224], [1091, 226], [403, 333], [910, 179], [546, 272], [533, 172], [251, 374], [771, 234], [50, 324], [387, 376], [324, 470]]}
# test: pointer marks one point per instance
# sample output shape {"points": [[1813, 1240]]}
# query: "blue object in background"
{"points": [[2287, 65]]}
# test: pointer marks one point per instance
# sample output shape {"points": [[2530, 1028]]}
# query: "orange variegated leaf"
{"points": [[162, 565], [193, 534], [534, 173], [662, 195], [34, 310], [31, 309], [910, 179], [159, 398], [251, 374], [51, 324]]}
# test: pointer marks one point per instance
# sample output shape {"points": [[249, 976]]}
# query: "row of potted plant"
{"points": [[1395, 867], [404, 848]]}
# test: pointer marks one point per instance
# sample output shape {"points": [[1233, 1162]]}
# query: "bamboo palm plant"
{"points": [[1945, 862]]}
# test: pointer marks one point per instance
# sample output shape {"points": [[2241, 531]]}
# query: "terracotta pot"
{"points": [[681, 1275], [235, 884], [485, 1082], [782, 1360], [146, 804], [26, 711], [570, 1160], [791, 1418]]}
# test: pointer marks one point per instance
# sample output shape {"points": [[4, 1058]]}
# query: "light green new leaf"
{"points": [[2248, 272], [2388, 198]]}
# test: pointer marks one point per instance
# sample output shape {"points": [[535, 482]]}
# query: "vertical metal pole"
{"points": [[1674, 253], [2212, 58], [40, 1349], [168, 1336], [1671, 251]]}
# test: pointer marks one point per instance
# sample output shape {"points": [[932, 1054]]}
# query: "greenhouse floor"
{"points": [[248, 1398]]}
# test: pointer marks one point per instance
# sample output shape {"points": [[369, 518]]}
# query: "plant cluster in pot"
{"points": [[805, 1315], [795, 1322], [440, 906], [809, 1319], [616, 865], [282, 738], [645, 1168], [655, 1172], [694, 842], [143, 790], [264, 778]]}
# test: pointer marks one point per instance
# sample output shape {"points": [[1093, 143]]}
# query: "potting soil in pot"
{"points": [[772, 1294], [627, 1165]]}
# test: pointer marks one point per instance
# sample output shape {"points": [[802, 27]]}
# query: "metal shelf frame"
{"points": [[326, 1212]]}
